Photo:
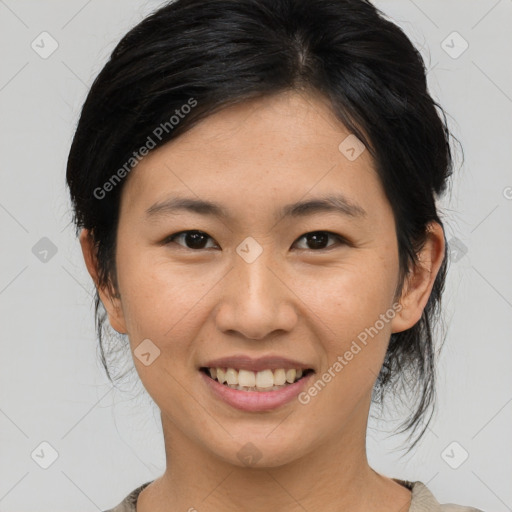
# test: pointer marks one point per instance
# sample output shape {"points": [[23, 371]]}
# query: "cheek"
{"points": [[350, 297], [354, 313], [163, 305], [168, 304]]}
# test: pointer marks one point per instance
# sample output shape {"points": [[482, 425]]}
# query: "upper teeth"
{"points": [[263, 379]]}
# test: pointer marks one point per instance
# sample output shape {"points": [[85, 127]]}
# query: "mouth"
{"points": [[255, 385], [256, 381]]}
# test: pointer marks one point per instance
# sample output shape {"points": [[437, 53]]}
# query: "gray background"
{"points": [[108, 441]]}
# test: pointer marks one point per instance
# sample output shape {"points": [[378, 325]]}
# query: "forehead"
{"points": [[277, 149], [289, 120]]}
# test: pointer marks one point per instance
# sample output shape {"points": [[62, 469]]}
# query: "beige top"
{"points": [[422, 500]]}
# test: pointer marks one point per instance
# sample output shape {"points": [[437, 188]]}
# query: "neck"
{"points": [[331, 477]]}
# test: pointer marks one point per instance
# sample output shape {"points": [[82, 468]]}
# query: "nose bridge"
{"points": [[255, 301], [257, 279]]}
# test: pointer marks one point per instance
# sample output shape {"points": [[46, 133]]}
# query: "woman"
{"points": [[255, 185]]}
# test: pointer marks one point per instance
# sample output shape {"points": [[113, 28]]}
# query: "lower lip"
{"points": [[255, 401]]}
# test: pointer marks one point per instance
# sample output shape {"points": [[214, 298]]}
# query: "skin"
{"points": [[294, 300]]}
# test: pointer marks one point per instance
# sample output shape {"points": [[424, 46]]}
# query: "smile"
{"points": [[255, 391], [265, 380]]}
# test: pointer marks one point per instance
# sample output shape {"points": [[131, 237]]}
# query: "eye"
{"points": [[319, 239], [193, 239], [196, 240]]}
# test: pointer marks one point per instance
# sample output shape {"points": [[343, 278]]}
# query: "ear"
{"points": [[418, 284], [111, 301]]}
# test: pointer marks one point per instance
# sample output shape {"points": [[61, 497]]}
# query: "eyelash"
{"points": [[339, 238]]}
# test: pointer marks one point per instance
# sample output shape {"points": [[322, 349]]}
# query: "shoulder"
{"points": [[129, 503], [422, 500]]}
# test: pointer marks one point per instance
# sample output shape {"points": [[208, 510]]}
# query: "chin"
{"points": [[259, 451]]}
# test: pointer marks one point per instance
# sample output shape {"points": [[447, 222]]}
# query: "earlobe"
{"points": [[420, 280], [110, 300]]}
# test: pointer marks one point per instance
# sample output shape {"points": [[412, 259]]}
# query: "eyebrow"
{"points": [[336, 203]]}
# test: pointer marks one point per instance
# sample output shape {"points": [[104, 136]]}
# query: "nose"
{"points": [[256, 301]]}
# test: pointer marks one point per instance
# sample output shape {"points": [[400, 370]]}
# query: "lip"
{"points": [[243, 362], [256, 401]]}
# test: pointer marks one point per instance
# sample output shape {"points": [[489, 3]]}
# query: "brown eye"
{"points": [[317, 240], [193, 239]]}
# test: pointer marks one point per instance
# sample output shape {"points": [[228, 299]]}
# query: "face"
{"points": [[284, 258]]}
